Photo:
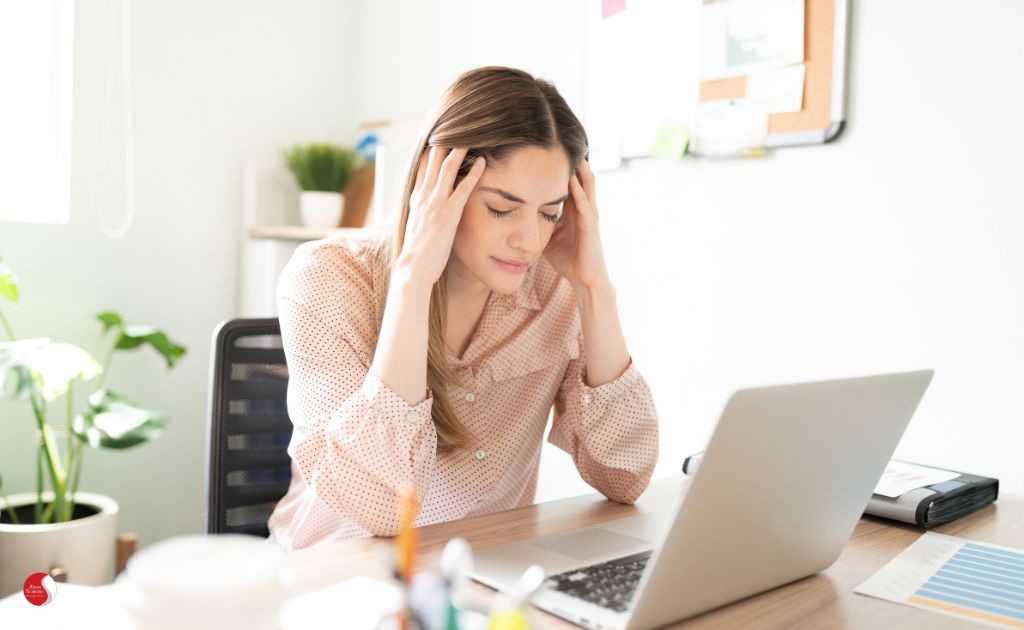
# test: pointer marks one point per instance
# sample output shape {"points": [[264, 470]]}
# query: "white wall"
{"points": [[215, 82], [897, 247], [409, 52]]}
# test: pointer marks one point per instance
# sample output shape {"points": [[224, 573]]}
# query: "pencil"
{"points": [[406, 540], [406, 549]]}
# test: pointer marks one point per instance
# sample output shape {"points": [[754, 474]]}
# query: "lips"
{"points": [[512, 266]]}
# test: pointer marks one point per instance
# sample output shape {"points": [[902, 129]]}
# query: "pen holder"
{"points": [[428, 607]]}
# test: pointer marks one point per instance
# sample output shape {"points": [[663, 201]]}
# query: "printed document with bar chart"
{"points": [[976, 581]]}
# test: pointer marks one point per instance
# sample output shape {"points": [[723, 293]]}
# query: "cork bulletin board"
{"points": [[822, 113]]}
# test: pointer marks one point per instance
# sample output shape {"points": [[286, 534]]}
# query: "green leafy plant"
{"points": [[318, 166], [41, 372]]}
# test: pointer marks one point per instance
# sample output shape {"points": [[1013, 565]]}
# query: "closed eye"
{"points": [[550, 218]]}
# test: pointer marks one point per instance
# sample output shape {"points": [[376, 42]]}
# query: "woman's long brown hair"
{"points": [[491, 111]]}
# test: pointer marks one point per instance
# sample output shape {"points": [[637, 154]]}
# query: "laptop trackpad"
{"points": [[589, 543]]}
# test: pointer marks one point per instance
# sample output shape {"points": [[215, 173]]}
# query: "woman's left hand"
{"points": [[575, 248]]}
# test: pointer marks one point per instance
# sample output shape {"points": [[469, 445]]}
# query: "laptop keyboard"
{"points": [[609, 584]]}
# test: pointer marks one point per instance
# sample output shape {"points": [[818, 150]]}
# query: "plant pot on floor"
{"points": [[83, 547], [321, 210]]}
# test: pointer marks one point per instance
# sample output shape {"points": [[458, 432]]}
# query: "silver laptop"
{"points": [[781, 486]]}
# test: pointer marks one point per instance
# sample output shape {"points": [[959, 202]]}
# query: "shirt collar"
{"points": [[525, 297]]}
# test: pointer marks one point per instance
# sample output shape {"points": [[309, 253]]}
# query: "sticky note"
{"points": [[671, 141]]}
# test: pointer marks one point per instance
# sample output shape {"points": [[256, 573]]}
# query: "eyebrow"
{"points": [[511, 197]]}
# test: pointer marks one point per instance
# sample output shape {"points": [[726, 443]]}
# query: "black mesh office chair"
{"points": [[248, 468]]}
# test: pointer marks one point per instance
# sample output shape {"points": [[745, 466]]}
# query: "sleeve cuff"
{"points": [[611, 391], [388, 403]]}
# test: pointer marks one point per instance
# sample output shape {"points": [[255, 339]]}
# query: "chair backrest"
{"points": [[248, 468]]}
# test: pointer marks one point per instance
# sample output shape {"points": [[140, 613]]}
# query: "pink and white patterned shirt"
{"points": [[356, 443]]}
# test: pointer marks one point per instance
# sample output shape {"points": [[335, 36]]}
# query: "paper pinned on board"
{"points": [[728, 128], [738, 37], [900, 477], [778, 90]]}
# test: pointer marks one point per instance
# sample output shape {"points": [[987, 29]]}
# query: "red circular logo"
{"points": [[40, 589]]}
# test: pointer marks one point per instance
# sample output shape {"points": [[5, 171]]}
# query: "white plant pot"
{"points": [[321, 210], [84, 547]]}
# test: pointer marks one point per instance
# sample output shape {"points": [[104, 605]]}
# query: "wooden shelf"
{"points": [[298, 232]]}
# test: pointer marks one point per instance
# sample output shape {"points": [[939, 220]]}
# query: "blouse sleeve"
{"points": [[356, 442], [611, 431]]}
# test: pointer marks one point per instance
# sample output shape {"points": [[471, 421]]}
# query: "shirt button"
{"points": [[470, 397], [412, 417], [480, 453], [588, 398]]}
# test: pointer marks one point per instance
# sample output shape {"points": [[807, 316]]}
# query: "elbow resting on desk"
{"points": [[621, 486]]}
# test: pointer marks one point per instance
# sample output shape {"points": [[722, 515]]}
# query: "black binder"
{"points": [[938, 503], [926, 506]]}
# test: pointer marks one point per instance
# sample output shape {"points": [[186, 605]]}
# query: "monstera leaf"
{"points": [[47, 367], [12, 355], [131, 337], [113, 421]]}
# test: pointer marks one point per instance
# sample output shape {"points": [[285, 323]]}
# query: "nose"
{"points": [[526, 235]]}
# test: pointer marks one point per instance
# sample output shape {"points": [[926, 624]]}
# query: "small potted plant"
{"points": [[61, 526], [322, 171]]}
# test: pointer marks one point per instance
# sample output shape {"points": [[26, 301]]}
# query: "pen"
{"points": [[456, 562]]}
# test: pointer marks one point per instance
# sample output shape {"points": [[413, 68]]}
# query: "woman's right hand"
{"points": [[434, 212]]}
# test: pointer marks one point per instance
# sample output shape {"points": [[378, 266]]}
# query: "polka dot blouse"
{"points": [[356, 443]]}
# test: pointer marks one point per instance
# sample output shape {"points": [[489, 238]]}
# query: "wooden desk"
{"points": [[825, 600]]}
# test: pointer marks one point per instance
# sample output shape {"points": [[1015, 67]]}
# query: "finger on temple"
{"points": [[579, 198], [450, 170], [587, 179], [469, 182], [437, 155], [421, 168]]}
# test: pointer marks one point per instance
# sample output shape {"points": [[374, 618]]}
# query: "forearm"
{"points": [[611, 431], [400, 360], [606, 352]]}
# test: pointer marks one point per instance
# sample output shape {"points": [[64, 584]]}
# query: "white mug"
{"points": [[205, 582]]}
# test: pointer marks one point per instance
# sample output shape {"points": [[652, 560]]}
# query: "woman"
{"points": [[435, 359]]}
